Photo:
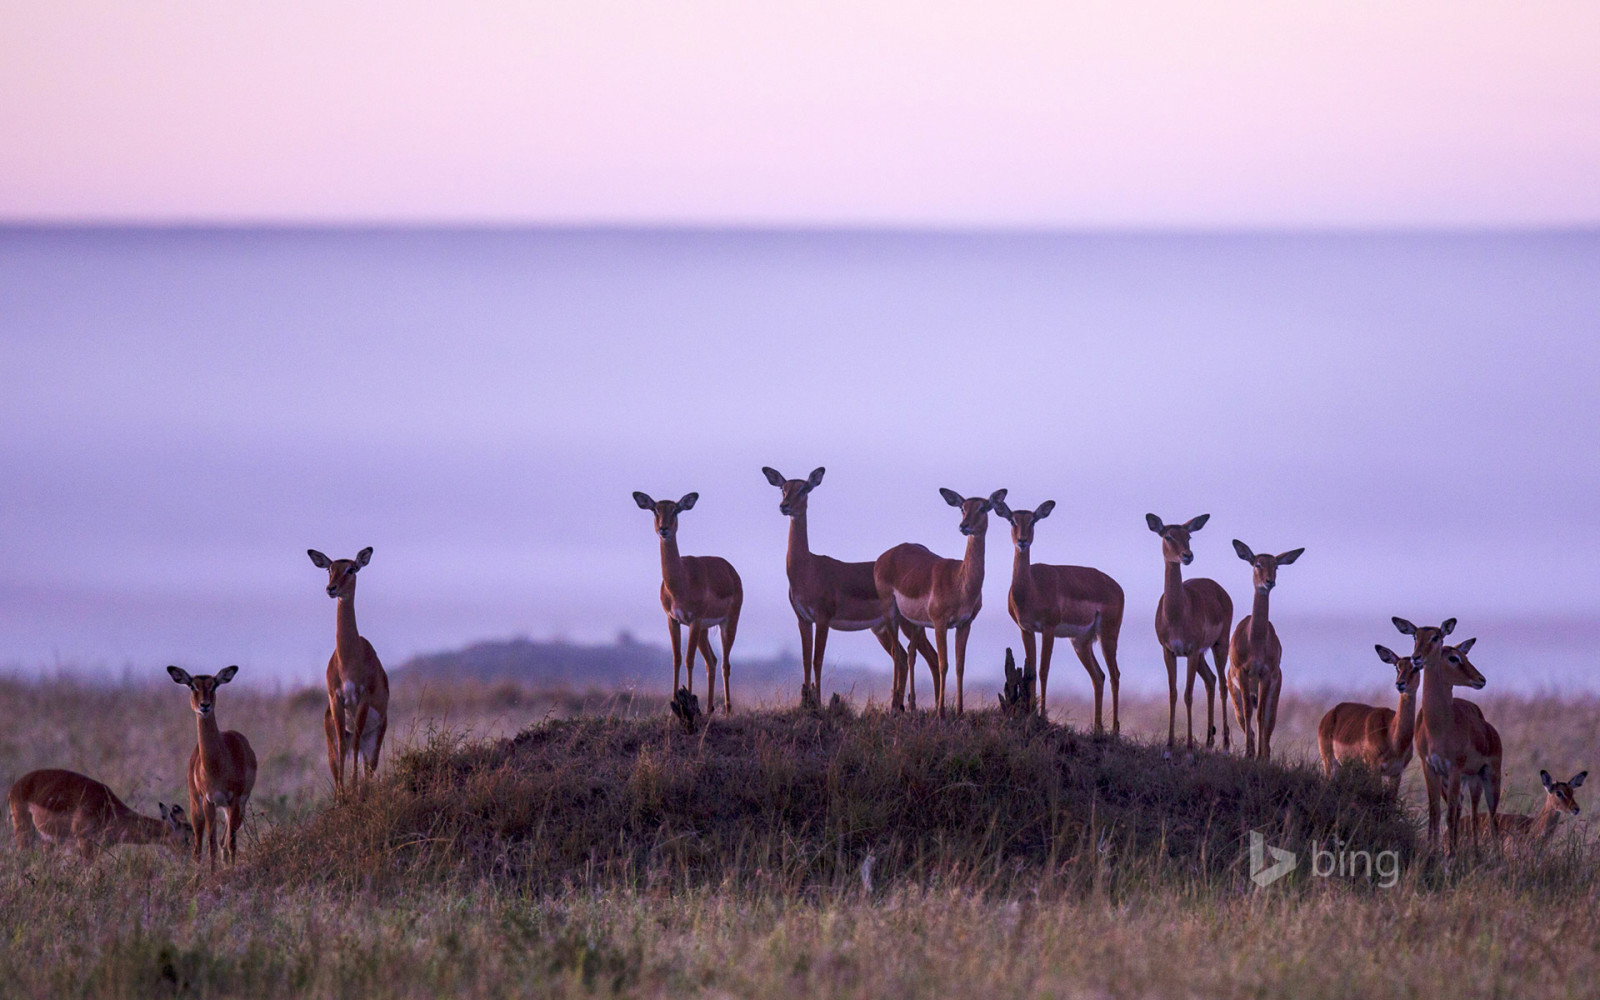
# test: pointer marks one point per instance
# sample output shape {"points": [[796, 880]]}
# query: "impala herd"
{"points": [[899, 596]]}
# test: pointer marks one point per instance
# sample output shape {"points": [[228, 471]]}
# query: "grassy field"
{"points": [[606, 851]]}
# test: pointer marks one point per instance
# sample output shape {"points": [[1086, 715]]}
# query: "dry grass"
{"points": [[626, 857]]}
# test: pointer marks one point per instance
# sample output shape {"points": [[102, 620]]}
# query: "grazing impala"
{"points": [[1192, 617], [1074, 602], [826, 593], [358, 689], [1257, 655], [65, 807], [702, 592], [916, 586], [1378, 737], [1520, 830], [222, 768], [1454, 742]]}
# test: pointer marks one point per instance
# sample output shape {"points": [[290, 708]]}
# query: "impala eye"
{"points": [[1455, 659]]}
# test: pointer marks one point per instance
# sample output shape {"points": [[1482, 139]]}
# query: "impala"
{"points": [[1257, 655], [1517, 829], [702, 592], [222, 768], [918, 587], [358, 688], [1378, 737], [65, 807], [826, 593], [1191, 617], [1454, 742], [1073, 602]]}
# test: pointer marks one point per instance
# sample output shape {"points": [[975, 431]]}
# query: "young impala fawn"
{"points": [[65, 807], [1520, 830], [826, 593], [918, 587], [222, 768], [1378, 737], [357, 716], [1257, 656], [1192, 617], [1454, 742], [702, 592], [1073, 602]]}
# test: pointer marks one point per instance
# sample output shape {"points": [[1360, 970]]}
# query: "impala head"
{"points": [[1022, 521], [974, 510], [1457, 669], [202, 689], [666, 511], [1175, 537], [341, 572], [1560, 792], [1407, 670], [794, 490], [1429, 640], [1264, 568], [179, 833]]}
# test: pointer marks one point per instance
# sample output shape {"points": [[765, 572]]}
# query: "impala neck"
{"points": [[1258, 620], [1022, 574], [799, 542], [210, 736], [1173, 592], [972, 566], [1437, 701], [671, 564], [1544, 824], [345, 637], [1404, 724], [138, 829]]}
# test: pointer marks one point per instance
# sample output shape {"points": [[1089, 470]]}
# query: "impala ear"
{"points": [[319, 560], [1244, 551], [1467, 645], [226, 674], [1387, 655], [815, 479], [162, 807], [1577, 779], [643, 500], [1001, 509], [951, 497], [1405, 627], [1197, 523], [688, 501], [773, 475], [1043, 510], [363, 557], [996, 497], [180, 675], [1448, 626], [1549, 783], [1289, 557], [1154, 523]]}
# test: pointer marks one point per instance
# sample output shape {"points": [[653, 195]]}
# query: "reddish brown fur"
{"points": [[702, 592], [1074, 602], [918, 587], [825, 592], [1191, 617], [71, 808], [1379, 737], [1521, 830], [222, 768], [1257, 656], [357, 716]]}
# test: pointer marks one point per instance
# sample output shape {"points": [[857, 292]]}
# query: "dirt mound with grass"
{"points": [[797, 800]]}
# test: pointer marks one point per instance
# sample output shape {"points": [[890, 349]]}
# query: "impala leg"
{"points": [[1047, 648], [710, 660], [1108, 647], [1269, 715], [885, 634], [1188, 697], [234, 814], [1430, 779], [675, 631], [1494, 799], [1030, 661], [1084, 647], [1475, 789], [1219, 654], [730, 628], [688, 664], [341, 729], [333, 749], [1172, 695], [805, 658], [822, 646], [918, 643], [360, 730], [941, 643], [1452, 809], [211, 834], [961, 665], [197, 824], [1210, 681]]}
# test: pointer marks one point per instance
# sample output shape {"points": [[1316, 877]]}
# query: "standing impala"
{"points": [[1378, 737], [65, 807], [826, 593], [1455, 743], [358, 689], [1074, 602], [702, 592], [1257, 655], [1192, 617], [222, 768], [916, 586]]}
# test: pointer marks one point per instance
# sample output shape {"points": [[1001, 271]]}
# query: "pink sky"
{"points": [[1342, 113]]}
